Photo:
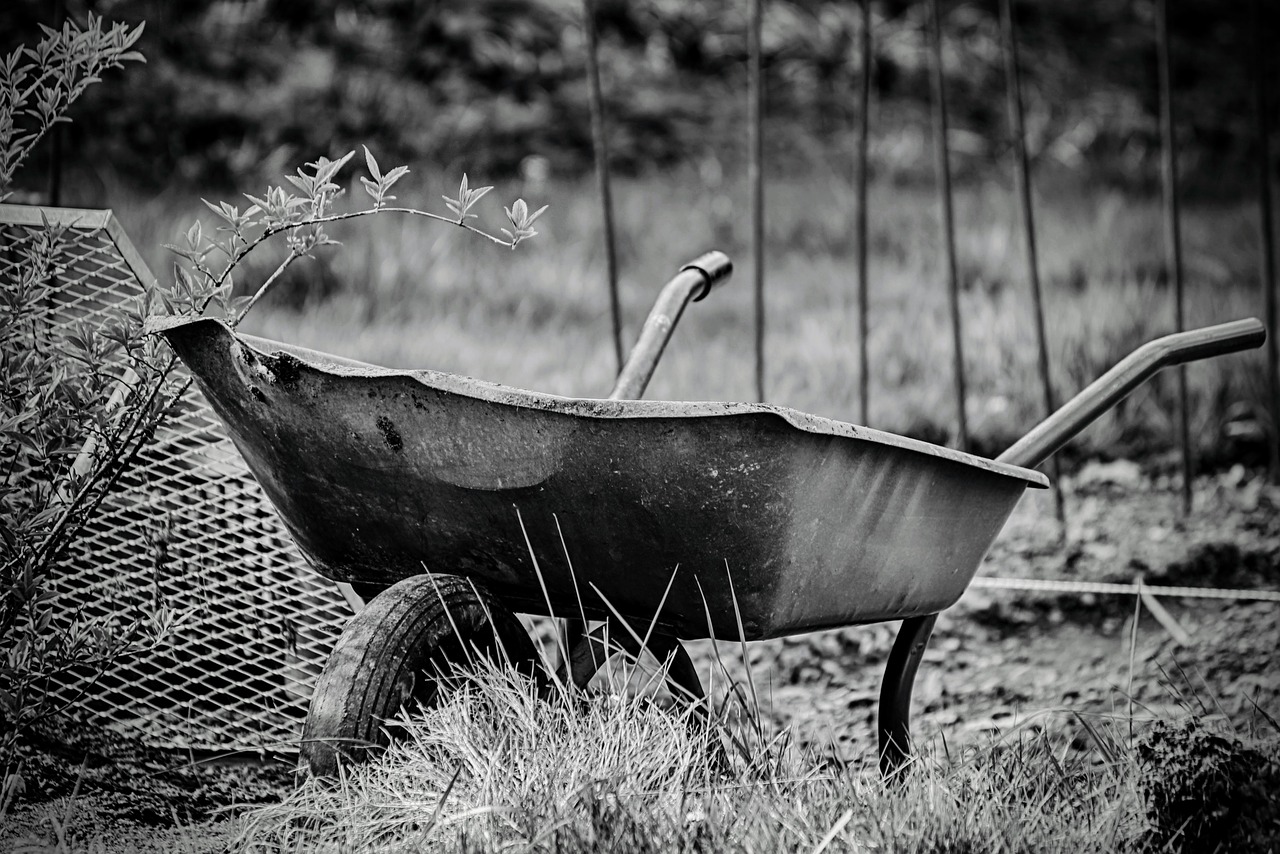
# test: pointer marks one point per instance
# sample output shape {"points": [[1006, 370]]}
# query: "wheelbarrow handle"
{"points": [[694, 281], [1135, 369]]}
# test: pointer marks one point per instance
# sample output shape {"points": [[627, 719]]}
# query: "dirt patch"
{"points": [[110, 793]]}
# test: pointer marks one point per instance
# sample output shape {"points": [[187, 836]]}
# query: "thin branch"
{"points": [[122, 449], [273, 230], [294, 254]]}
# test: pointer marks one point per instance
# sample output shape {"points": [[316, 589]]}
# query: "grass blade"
{"points": [[542, 582], [577, 593], [746, 662], [831, 834]]}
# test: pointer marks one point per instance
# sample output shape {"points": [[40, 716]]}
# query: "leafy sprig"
{"points": [[466, 199], [379, 185], [522, 221], [301, 215], [38, 84]]}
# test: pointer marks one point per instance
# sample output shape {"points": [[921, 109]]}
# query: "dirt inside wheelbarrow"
{"points": [[998, 660]]}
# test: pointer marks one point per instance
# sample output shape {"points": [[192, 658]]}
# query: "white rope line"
{"points": [[993, 582]]}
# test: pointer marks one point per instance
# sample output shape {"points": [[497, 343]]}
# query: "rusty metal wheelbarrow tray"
{"points": [[809, 523], [799, 522]]}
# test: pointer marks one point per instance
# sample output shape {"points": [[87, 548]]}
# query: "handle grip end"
{"points": [[715, 268]]}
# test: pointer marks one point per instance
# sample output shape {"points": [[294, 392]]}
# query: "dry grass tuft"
{"points": [[497, 768]]}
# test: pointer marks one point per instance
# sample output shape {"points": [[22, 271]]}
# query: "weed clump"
{"points": [[1206, 791]]}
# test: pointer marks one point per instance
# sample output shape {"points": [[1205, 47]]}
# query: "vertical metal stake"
{"points": [[755, 174], [948, 218], [1268, 239], [1173, 233], [1022, 178], [864, 124], [601, 146], [55, 132]]}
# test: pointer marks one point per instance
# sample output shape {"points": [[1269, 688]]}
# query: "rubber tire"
{"points": [[400, 650]]}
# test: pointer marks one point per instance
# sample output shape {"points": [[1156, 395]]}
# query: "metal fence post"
{"points": [[1022, 179], [755, 175], [864, 299], [1267, 226], [1173, 233], [948, 218], [600, 145]]}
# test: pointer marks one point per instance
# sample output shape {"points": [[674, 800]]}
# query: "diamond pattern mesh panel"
{"points": [[190, 526]]}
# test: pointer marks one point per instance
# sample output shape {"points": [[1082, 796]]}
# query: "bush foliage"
{"points": [[238, 90], [75, 406]]}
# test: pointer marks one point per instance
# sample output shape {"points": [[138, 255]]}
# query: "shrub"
{"points": [[1208, 792], [64, 441], [78, 404]]}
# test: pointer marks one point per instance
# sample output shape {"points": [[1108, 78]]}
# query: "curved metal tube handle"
{"points": [[694, 281], [1135, 369]]}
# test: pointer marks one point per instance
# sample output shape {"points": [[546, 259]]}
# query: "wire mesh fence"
{"points": [[187, 526]]}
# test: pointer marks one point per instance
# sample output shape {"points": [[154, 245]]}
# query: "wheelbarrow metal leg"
{"points": [[895, 691], [680, 670], [583, 652], [588, 651]]}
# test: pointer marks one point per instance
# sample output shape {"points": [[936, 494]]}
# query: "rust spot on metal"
{"points": [[285, 366], [390, 434]]}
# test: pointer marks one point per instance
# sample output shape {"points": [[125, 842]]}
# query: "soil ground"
{"points": [[999, 662]]}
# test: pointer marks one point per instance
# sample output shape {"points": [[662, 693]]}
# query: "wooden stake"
{"points": [[1022, 178], [1162, 615], [864, 125], [1260, 46], [600, 145], [755, 175], [1173, 233], [948, 223]]}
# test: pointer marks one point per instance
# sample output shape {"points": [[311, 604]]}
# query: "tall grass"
{"points": [[409, 294], [494, 768]]}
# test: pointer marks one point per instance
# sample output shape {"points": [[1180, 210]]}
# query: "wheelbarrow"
{"points": [[450, 504]]}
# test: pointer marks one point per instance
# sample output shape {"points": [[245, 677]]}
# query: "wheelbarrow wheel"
{"points": [[405, 648]]}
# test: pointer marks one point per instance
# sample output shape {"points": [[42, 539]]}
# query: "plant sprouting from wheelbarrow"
{"points": [[301, 215]]}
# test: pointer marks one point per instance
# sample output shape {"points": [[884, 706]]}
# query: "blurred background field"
{"points": [[236, 93], [404, 293]]}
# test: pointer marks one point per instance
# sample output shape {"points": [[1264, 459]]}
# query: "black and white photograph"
{"points": [[639, 426]]}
